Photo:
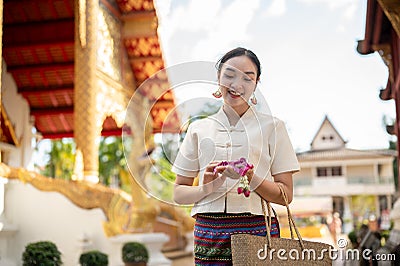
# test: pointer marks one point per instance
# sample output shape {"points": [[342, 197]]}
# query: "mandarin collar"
{"points": [[224, 122]]}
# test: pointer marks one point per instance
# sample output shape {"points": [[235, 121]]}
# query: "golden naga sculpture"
{"points": [[124, 213]]}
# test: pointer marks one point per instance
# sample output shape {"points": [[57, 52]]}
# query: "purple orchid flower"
{"points": [[239, 166]]}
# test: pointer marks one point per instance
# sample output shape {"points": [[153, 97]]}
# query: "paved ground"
{"points": [[180, 258], [183, 261]]}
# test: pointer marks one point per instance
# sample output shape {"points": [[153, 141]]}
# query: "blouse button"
{"points": [[228, 144]]}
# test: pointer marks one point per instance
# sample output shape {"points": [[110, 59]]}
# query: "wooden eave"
{"points": [[381, 28], [38, 48], [7, 129]]}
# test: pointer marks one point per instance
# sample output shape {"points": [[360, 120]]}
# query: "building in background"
{"points": [[360, 182]]}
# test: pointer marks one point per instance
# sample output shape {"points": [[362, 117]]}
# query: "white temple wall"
{"points": [[18, 111], [50, 216]]}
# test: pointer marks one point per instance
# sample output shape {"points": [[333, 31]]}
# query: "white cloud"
{"points": [[162, 7], [332, 4], [231, 28], [195, 16], [348, 10], [349, 7], [198, 15], [276, 9], [223, 25], [303, 77], [341, 28], [348, 14]]}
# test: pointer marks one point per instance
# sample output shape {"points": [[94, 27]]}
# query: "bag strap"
{"points": [[268, 219], [290, 214]]}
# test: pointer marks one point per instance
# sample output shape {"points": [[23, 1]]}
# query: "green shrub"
{"points": [[93, 258], [43, 253], [134, 252], [353, 237]]}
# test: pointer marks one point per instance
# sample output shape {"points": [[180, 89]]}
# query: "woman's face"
{"points": [[238, 80]]}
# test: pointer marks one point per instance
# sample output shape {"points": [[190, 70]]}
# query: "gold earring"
{"points": [[253, 99], [217, 94]]}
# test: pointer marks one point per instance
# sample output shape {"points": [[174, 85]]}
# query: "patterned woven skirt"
{"points": [[212, 234]]}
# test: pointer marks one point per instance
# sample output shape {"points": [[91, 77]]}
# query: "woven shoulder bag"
{"points": [[250, 250]]}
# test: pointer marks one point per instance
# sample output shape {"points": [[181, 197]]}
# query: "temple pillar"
{"points": [[87, 120]]}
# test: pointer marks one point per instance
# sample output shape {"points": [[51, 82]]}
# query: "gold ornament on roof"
{"points": [[82, 23]]}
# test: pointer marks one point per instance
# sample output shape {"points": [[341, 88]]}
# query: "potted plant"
{"points": [[93, 258], [135, 254], [44, 253]]}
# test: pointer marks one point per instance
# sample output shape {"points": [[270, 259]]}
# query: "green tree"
{"points": [[388, 124], [60, 159], [162, 180], [111, 159]]}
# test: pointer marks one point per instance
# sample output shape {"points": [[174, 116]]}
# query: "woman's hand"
{"points": [[226, 171], [214, 177], [186, 193], [249, 174], [211, 172]]}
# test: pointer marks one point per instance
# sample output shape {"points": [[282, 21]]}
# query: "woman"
{"points": [[236, 131]]}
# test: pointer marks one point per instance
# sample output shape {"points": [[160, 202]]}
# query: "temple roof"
{"points": [[381, 26], [344, 154], [38, 48], [328, 144], [327, 137]]}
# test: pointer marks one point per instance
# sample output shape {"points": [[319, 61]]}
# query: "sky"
{"points": [[307, 49]]}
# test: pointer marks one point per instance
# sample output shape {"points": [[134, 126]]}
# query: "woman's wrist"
{"points": [[249, 175], [254, 181], [207, 189]]}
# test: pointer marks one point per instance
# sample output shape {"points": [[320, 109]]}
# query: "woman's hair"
{"points": [[239, 52]]}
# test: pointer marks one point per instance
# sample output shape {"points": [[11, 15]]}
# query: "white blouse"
{"points": [[259, 138]]}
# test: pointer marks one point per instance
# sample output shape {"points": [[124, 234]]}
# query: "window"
{"points": [[379, 170], [336, 171], [326, 138], [322, 171], [329, 171]]}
